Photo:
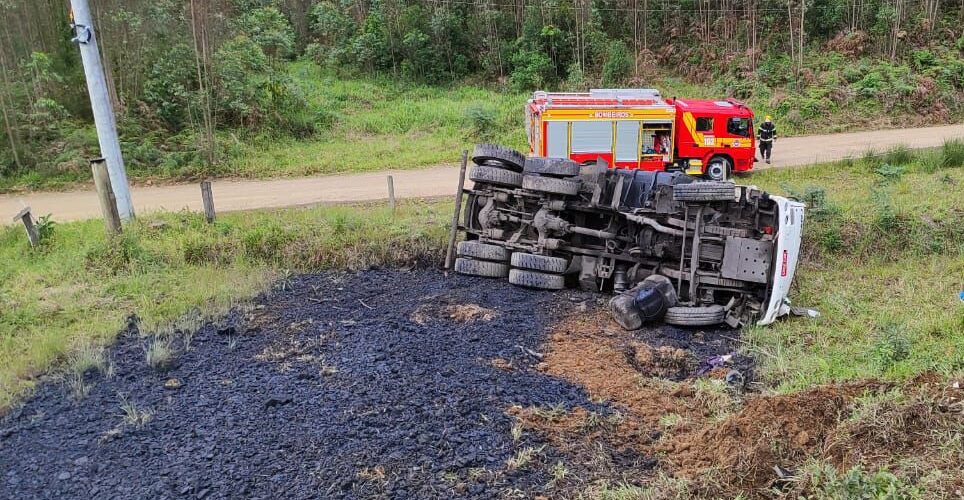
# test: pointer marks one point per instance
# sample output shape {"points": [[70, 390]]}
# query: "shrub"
{"points": [[45, 228], [270, 30], [531, 70], [891, 345], [618, 64], [169, 85], [890, 173], [239, 92], [481, 119]]}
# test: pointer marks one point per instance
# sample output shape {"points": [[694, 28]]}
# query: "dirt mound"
{"points": [[665, 361], [721, 442], [775, 430]]}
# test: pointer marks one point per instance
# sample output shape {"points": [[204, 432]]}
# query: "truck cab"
{"points": [[713, 138]]}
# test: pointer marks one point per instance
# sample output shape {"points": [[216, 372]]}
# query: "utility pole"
{"points": [[85, 38]]}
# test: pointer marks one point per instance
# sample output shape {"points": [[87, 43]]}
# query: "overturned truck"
{"points": [[670, 246]]}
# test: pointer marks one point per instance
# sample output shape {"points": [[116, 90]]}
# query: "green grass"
{"points": [[381, 124], [883, 264], [76, 291]]}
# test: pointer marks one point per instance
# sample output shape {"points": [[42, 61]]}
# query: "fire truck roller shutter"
{"points": [[627, 141], [557, 139], [592, 136]]}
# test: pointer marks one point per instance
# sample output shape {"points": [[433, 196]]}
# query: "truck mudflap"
{"points": [[791, 215]]}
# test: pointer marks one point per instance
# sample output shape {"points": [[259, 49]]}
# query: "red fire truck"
{"points": [[638, 129]]}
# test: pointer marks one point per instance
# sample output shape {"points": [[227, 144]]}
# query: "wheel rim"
{"points": [[717, 171]]}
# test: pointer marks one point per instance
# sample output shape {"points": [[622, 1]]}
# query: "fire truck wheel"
{"points": [[532, 279], [508, 157], [539, 262], [694, 316], [482, 268], [483, 251], [705, 191], [550, 184], [497, 176], [718, 169], [558, 167]]}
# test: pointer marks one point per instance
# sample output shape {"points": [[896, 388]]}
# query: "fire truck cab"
{"points": [[638, 129]]}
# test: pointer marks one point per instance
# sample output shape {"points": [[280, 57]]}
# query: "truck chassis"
{"points": [[548, 223]]}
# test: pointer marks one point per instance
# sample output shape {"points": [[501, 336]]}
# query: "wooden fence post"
{"points": [[108, 204], [208, 197], [449, 251], [391, 195], [25, 217]]}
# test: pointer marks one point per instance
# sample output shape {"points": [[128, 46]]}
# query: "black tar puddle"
{"points": [[329, 389]]}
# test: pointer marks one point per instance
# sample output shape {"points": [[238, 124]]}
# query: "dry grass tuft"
{"points": [[159, 352], [82, 363], [134, 416]]}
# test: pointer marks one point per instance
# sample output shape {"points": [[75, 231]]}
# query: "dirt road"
{"points": [[233, 195]]}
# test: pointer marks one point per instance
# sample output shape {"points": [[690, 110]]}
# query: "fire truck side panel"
{"points": [[631, 139]]}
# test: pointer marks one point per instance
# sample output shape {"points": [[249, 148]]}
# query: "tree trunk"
{"points": [[5, 107], [201, 59]]}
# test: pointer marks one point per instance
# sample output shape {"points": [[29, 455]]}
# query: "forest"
{"points": [[196, 83]]}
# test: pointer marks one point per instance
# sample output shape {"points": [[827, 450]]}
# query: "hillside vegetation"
{"points": [[285, 87]]}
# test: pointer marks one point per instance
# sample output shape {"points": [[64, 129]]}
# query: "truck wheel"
{"points": [[550, 184], [482, 268], [559, 167], [705, 191], [694, 316], [496, 176], [484, 251], [718, 169], [532, 279], [539, 262], [508, 157]]}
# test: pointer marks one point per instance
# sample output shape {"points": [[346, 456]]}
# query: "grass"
{"points": [[380, 124], [73, 294], [883, 263], [135, 416]]}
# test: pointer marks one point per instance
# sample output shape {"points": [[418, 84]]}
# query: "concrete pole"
{"points": [[100, 103]]}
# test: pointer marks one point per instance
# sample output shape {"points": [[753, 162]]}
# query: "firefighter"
{"points": [[766, 135]]}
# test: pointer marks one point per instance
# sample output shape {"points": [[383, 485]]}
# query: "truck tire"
{"points": [[705, 191], [550, 185], [718, 169], [496, 176], [484, 268], [694, 316], [539, 262], [532, 279], [508, 157], [557, 167], [484, 251]]}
